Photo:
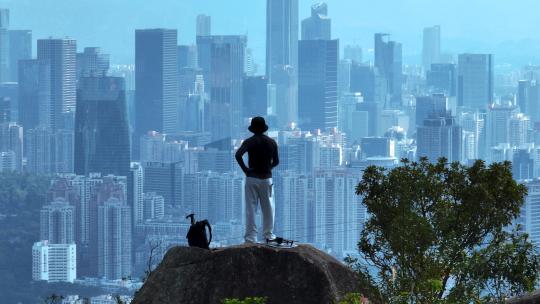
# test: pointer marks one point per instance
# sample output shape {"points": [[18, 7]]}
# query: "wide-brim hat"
{"points": [[258, 125]]}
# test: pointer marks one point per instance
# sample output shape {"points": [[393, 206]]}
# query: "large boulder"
{"points": [[298, 275], [532, 298]]}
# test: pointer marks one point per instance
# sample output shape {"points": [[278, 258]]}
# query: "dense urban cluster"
{"points": [[131, 149]]}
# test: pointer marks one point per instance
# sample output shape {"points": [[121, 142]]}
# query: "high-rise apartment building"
{"points": [[58, 222], [282, 59], [475, 81], [135, 192], [61, 56], [431, 50], [102, 131], [156, 96], [114, 244]]}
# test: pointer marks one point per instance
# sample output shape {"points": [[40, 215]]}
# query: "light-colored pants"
{"points": [[259, 191]]}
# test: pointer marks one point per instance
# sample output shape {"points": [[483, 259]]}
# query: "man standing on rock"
{"points": [[263, 157]]}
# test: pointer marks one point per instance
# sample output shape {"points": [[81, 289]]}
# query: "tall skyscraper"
{"points": [[282, 59], [388, 59], [114, 240], [439, 136], [35, 94], [156, 97], [204, 25], [318, 25], [4, 45], [20, 48], [475, 81], [58, 222], [369, 81], [187, 56], [431, 50], [92, 62], [61, 55], [221, 59], [441, 78], [102, 132], [427, 106], [255, 94], [317, 84]]}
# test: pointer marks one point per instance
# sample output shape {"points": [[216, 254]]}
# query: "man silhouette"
{"points": [[263, 157]]}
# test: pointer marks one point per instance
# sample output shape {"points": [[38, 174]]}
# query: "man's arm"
{"points": [[241, 151], [275, 156]]}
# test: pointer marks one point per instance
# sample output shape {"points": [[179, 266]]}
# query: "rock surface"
{"points": [[299, 275], [532, 298]]}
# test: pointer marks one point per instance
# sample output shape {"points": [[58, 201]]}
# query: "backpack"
{"points": [[196, 235]]}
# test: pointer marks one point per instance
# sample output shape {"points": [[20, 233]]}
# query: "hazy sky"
{"points": [[510, 29]]}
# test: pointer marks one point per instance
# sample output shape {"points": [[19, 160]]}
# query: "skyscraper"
{"points": [[317, 84], [318, 25], [255, 94], [221, 59], [204, 25], [20, 48], [102, 132], [388, 59], [431, 50], [430, 105], [61, 55], [156, 97], [35, 94], [475, 81], [282, 59], [92, 62], [4, 45], [439, 136], [441, 78]]}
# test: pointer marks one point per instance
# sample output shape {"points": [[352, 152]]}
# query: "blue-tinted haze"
{"points": [[507, 28]]}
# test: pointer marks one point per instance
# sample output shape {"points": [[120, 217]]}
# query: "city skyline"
{"points": [[516, 42]]}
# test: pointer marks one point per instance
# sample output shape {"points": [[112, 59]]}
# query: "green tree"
{"points": [[444, 233]]}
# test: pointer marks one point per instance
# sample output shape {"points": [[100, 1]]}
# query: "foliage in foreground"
{"points": [[442, 233], [254, 300]]}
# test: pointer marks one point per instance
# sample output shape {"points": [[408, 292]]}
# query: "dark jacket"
{"points": [[263, 156]]}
